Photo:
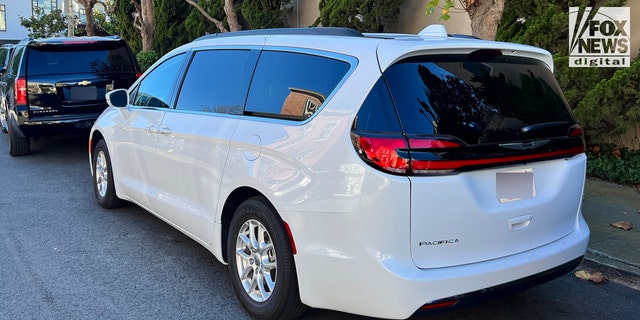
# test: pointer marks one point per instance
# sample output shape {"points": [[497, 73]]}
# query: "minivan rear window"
{"points": [[486, 98], [101, 57]]}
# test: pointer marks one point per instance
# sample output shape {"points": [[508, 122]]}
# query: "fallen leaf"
{"points": [[582, 275], [597, 277], [624, 225]]}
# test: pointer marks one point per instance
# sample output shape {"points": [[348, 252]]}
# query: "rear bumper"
{"points": [[391, 286], [39, 128], [485, 294]]}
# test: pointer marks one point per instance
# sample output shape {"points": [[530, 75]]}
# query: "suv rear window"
{"points": [[480, 98], [103, 57]]}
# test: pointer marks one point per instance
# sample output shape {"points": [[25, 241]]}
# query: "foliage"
{"points": [[146, 59], [448, 4], [613, 104], [577, 82], [261, 14], [196, 25], [124, 25], [615, 164], [43, 25], [170, 31], [104, 25], [362, 15]]}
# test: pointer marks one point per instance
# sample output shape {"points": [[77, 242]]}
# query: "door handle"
{"points": [[159, 130]]}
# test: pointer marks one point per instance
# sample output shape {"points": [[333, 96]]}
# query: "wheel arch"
{"points": [[233, 201]]}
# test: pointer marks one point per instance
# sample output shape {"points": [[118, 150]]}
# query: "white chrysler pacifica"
{"points": [[374, 174]]}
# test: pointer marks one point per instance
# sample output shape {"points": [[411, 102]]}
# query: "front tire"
{"points": [[261, 263], [103, 187]]}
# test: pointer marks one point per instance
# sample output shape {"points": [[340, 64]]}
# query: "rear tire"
{"points": [[103, 187], [18, 146], [261, 263]]}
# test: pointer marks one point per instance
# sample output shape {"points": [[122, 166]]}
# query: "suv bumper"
{"points": [[47, 127]]}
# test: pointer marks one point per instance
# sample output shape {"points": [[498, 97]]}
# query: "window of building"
{"points": [[46, 5], [3, 18]]}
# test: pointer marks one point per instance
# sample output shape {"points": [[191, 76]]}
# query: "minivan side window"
{"points": [[291, 85], [217, 81], [156, 89]]}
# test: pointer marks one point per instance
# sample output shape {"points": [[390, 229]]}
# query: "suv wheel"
{"points": [[18, 146], [103, 187], [261, 262]]}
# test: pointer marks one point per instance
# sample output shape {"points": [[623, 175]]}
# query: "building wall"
{"points": [[14, 9]]}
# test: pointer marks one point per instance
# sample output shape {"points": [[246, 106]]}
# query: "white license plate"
{"points": [[515, 185]]}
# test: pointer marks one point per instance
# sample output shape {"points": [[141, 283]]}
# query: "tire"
{"points": [[103, 186], [18, 146], [261, 265]]}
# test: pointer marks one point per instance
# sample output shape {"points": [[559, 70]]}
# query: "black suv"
{"points": [[57, 86]]}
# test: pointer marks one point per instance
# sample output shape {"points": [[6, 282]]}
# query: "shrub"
{"points": [[146, 59], [615, 164]]}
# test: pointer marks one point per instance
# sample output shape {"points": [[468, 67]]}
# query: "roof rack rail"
{"points": [[463, 36], [324, 31]]}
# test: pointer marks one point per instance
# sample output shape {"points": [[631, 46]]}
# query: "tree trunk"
{"points": [[91, 26], [232, 16], [147, 22], [485, 16]]}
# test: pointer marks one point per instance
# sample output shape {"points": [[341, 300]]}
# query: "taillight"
{"points": [[393, 153], [576, 131], [138, 74], [398, 154], [382, 152], [21, 91]]}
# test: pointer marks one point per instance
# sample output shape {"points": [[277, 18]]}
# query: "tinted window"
{"points": [[377, 113], [479, 99], [292, 85], [15, 60], [156, 88], [217, 81], [94, 58]]}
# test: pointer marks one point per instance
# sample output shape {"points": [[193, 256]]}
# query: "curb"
{"points": [[613, 262]]}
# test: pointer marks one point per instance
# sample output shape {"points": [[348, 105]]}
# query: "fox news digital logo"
{"points": [[600, 37]]}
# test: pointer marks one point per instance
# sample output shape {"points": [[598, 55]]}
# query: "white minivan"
{"points": [[375, 174]]}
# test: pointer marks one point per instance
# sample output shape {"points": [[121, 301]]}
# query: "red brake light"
{"points": [[432, 143], [439, 305], [79, 41], [138, 74], [383, 152], [21, 91], [436, 156], [576, 131]]}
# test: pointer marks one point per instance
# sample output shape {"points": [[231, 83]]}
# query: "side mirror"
{"points": [[118, 98]]}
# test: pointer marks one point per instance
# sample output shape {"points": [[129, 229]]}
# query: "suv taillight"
{"points": [[437, 156], [21, 91]]}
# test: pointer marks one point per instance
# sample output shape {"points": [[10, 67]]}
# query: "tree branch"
{"points": [[217, 22]]}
